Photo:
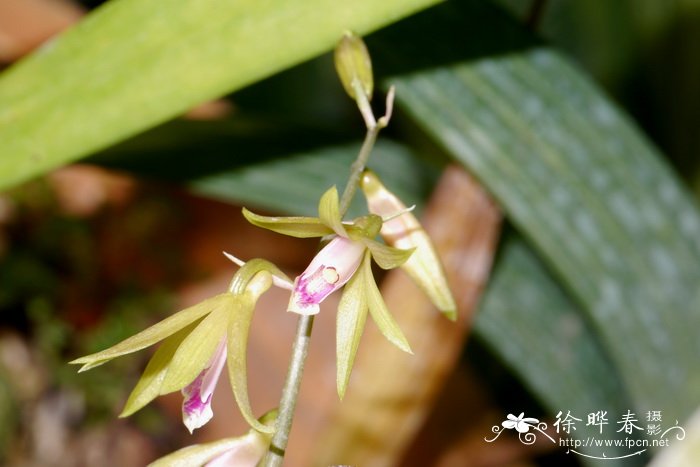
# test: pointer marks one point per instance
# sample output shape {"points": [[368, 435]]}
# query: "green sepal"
{"points": [[148, 386], [196, 350], [236, 351], [404, 231], [425, 268], [249, 448], [387, 257], [329, 211], [378, 309], [350, 323], [155, 333], [255, 277], [300, 227]]}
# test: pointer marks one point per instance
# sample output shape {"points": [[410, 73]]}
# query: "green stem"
{"points": [[356, 169], [290, 392], [275, 454]]}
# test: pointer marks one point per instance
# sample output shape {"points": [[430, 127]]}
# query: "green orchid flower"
{"points": [[345, 260], [404, 231], [196, 344]]}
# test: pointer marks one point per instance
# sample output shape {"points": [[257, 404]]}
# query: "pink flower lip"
{"points": [[332, 267], [196, 406]]}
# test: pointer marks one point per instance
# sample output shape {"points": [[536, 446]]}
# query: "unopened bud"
{"points": [[353, 64]]}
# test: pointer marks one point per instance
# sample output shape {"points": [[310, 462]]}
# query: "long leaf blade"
{"points": [[594, 197], [131, 65]]}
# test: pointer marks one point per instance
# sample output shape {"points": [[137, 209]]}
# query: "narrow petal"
{"points": [[155, 333], [301, 227], [329, 211], [237, 345], [332, 267], [148, 386], [378, 309], [197, 349], [350, 323], [196, 406], [405, 232], [387, 257]]}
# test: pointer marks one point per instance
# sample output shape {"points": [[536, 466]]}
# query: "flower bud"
{"points": [[352, 62], [404, 231]]}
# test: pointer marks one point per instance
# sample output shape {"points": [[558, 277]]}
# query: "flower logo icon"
{"points": [[521, 424]]}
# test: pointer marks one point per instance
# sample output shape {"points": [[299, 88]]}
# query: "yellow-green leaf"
{"points": [[380, 313], [155, 333], [133, 64], [350, 322], [242, 451], [387, 257], [301, 227], [197, 349], [148, 386], [329, 211]]}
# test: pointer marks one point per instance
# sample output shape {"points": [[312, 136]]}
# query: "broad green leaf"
{"points": [[377, 308], [155, 333], [301, 227], [148, 386], [197, 349], [329, 211], [130, 65], [350, 322], [530, 323], [594, 197], [387, 257], [243, 451]]}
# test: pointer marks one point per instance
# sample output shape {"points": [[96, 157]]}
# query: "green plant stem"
{"points": [[275, 454], [290, 392], [356, 169]]}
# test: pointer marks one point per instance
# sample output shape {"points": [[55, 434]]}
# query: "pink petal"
{"points": [[196, 407], [332, 267], [239, 456]]}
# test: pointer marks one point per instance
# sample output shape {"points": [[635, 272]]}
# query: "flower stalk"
{"points": [[290, 392]]}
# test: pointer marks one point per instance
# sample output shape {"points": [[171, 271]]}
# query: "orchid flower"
{"points": [[196, 343], [404, 231], [336, 263], [346, 259]]}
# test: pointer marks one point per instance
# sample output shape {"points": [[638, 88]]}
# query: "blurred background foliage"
{"points": [[556, 107]]}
